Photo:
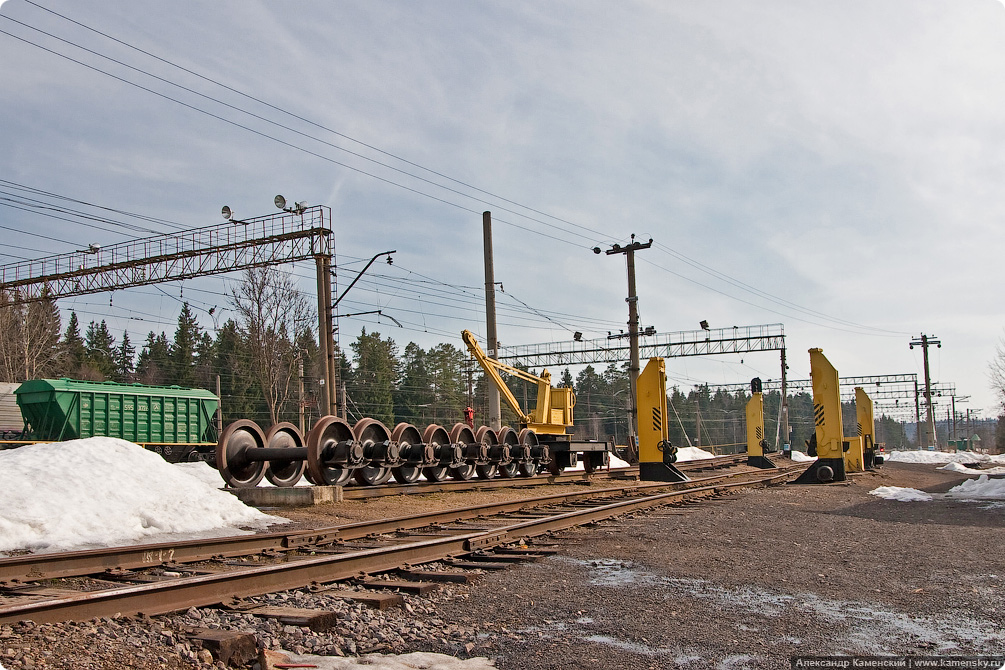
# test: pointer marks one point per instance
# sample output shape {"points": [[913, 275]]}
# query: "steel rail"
{"points": [[204, 590], [68, 564], [362, 492]]}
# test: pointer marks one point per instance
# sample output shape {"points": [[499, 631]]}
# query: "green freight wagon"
{"points": [[176, 422]]}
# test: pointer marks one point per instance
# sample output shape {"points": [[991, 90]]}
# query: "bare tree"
{"points": [[29, 338], [996, 371], [272, 313]]}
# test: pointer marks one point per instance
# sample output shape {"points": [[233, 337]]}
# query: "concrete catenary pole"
{"points": [[325, 338], [495, 409]]}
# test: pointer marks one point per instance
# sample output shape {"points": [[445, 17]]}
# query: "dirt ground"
{"points": [[746, 581], [755, 579]]}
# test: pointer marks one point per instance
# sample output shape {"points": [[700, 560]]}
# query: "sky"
{"points": [[830, 166]]}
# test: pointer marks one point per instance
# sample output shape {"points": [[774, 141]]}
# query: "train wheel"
{"points": [[487, 471], [236, 439], [509, 437], [284, 473], [406, 474], [369, 433], [554, 468], [463, 472], [436, 473], [509, 470], [408, 439], [528, 438], [327, 433], [588, 465]]}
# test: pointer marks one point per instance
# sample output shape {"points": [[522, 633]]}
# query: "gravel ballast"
{"points": [[745, 581]]}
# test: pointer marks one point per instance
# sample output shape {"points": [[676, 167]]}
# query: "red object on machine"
{"points": [[469, 416]]}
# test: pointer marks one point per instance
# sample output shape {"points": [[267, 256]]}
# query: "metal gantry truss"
{"points": [[266, 240], [735, 340]]}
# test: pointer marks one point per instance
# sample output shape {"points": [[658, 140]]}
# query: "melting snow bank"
{"points": [[103, 491], [900, 493], [693, 454], [942, 457], [414, 661], [800, 457], [983, 488], [962, 469]]}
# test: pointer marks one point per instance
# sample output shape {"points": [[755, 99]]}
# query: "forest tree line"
{"points": [[262, 355]]}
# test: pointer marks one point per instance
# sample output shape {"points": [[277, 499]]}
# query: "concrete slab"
{"points": [[290, 496]]}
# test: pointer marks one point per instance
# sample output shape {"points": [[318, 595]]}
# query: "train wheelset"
{"points": [[335, 453]]}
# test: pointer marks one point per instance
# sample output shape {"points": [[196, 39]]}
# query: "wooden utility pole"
{"points": [[633, 325], [925, 341]]}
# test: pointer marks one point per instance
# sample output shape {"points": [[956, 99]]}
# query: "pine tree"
{"points": [[183, 349], [100, 352], [74, 352], [154, 361], [371, 382], [124, 359]]}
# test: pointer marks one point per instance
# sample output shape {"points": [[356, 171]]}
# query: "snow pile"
{"points": [[103, 491], [418, 660], [693, 454], [964, 470], [900, 493], [982, 487], [942, 457], [800, 457]]}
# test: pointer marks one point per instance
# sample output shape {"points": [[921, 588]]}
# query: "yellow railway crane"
{"points": [[551, 420]]}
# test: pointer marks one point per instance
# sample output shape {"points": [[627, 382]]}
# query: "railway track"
{"points": [[611, 474], [161, 578]]}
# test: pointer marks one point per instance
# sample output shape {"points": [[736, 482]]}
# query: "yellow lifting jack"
{"points": [[656, 455], [756, 444], [827, 443]]}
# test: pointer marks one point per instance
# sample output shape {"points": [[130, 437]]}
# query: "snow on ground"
{"points": [[942, 457], [900, 493], [982, 488], [615, 463], [964, 470], [693, 454], [103, 491], [800, 457], [418, 660]]}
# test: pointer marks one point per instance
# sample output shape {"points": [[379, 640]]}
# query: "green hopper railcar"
{"points": [[176, 422]]}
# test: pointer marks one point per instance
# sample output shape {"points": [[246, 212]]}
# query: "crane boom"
{"points": [[553, 414]]}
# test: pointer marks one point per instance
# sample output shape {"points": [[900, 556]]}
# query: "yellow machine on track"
{"points": [[551, 419]]}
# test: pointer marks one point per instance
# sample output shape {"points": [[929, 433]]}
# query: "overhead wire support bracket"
{"points": [[362, 272]]}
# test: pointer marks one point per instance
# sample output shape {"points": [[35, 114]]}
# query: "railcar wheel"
{"points": [[284, 473], [462, 434], [369, 433], [407, 438], [436, 473], [488, 438], [437, 438], [554, 468], [236, 470], [326, 434], [463, 472], [509, 437], [528, 438]]}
